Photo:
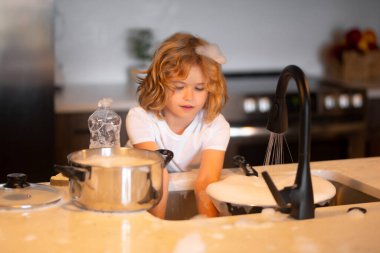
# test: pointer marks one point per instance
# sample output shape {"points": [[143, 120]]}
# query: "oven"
{"points": [[338, 119]]}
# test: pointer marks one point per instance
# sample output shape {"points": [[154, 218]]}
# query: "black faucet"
{"points": [[298, 197]]}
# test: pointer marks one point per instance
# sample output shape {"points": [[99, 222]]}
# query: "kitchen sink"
{"points": [[182, 205]]}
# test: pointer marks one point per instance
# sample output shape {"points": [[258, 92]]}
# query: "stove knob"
{"points": [[249, 105], [329, 102], [344, 101], [264, 104], [357, 100]]}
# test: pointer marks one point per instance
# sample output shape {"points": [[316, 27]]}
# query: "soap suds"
{"points": [[27, 215], [268, 212], [305, 244], [227, 226], [30, 237], [115, 161], [218, 236], [192, 243], [356, 214], [199, 217], [245, 223]]}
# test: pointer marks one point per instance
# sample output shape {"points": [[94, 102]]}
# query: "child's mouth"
{"points": [[187, 107]]}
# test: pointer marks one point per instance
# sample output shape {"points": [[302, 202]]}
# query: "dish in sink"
{"points": [[239, 194]]}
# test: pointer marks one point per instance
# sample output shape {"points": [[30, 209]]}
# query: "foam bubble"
{"points": [[355, 213], [191, 243]]}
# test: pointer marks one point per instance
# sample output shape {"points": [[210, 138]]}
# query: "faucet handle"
{"points": [[282, 197], [245, 166]]}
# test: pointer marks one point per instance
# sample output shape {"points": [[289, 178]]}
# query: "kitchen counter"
{"points": [[372, 87], [84, 98], [65, 228]]}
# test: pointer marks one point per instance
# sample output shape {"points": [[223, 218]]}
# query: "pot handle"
{"points": [[71, 172], [166, 154]]}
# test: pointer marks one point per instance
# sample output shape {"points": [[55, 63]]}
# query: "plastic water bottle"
{"points": [[104, 125]]}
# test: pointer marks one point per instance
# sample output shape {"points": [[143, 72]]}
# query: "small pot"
{"points": [[116, 179]]}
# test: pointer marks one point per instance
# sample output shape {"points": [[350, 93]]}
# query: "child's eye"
{"points": [[178, 85], [199, 88]]}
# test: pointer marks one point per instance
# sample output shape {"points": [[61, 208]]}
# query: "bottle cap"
{"points": [[105, 102]]}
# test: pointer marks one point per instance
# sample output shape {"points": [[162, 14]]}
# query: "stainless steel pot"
{"points": [[116, 179]]}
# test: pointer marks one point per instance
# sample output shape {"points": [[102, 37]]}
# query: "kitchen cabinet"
{"points": [[72, 133], [373, 133]]}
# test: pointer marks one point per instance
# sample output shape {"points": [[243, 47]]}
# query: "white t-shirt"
{"points": [[144, 126]]}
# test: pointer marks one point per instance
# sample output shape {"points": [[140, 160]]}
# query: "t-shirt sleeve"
{"points": [[139, 126], [217, 134]]}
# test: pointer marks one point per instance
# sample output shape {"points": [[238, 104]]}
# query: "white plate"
{"points": [[253, 191]]}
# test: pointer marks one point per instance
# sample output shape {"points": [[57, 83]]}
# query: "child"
{"points": [[180, 99]]}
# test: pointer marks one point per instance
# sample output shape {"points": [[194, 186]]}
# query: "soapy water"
{"points": [[356, 212], [191, 243]]}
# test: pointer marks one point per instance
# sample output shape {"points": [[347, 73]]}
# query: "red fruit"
{"points": [[373, 46], [353, 37], [370, 36]]}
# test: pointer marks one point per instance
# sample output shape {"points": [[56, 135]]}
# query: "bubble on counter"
{"points": [[227, 226], [246, 223], [199, 217], [306, 245], [30, 237], [356, 212], [25, 215], [268, 212], [218, 236], [191, 243]]}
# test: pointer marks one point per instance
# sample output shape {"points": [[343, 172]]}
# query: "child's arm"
{"points": [[160, 209], [210, 171]]}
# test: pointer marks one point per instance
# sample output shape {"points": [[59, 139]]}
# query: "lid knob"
{"points": [[16, 180]]}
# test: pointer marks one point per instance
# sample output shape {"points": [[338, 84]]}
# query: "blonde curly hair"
{"points": [[173, 60]]}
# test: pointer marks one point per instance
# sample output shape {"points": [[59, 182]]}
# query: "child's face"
{"points": [[189, 96]]}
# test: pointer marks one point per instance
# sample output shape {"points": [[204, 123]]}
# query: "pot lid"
{"points": [[17, 193]]}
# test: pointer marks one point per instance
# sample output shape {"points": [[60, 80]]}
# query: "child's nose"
{"points": [[188, 95]]}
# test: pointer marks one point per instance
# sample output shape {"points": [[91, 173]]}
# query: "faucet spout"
{"points": [[300, 195]]}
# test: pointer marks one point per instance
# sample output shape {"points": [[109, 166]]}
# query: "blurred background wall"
{"points": [[90, 35]]}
